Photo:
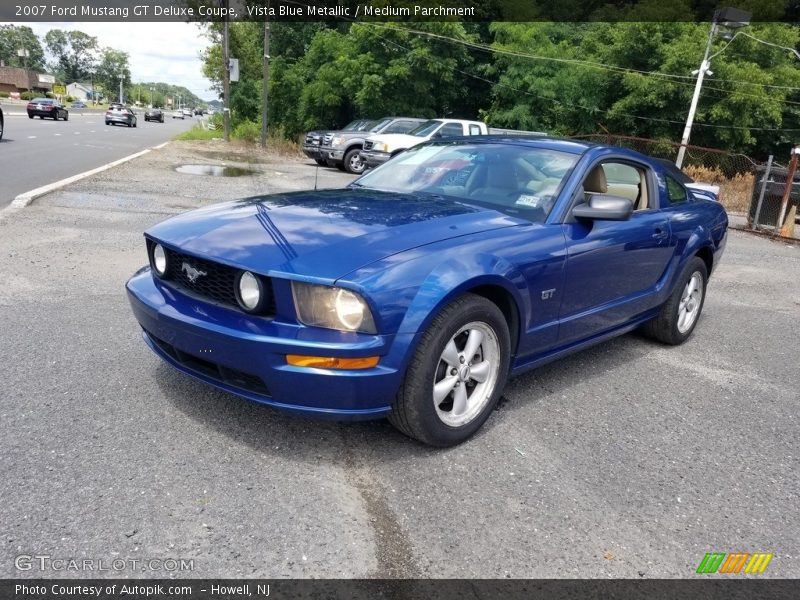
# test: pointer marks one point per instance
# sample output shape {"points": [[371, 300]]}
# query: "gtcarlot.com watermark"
{"points": [[45, 562]]}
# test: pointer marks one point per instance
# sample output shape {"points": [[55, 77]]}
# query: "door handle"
{"points": [[660, 232]]}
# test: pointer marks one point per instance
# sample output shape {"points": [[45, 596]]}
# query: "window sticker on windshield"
{"points": [[530, 201]]}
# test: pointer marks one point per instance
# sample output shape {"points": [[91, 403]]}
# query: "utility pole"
{"points": [[226, 77], [265, 90], [729, 18], [121, 100], [704, 67]]}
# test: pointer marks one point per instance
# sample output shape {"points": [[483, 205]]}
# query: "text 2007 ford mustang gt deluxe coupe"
{"points": [[418, 290]]}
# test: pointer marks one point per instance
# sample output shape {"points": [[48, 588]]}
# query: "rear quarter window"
{"points": [[676, 193]]}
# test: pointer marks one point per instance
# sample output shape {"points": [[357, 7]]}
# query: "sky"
{"points": [[167, 52]]}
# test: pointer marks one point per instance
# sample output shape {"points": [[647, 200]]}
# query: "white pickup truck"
{"points": [[380, 148]]}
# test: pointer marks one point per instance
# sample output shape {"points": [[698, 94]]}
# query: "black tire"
{"points": [[414, 411], [66, 116], [2, 127], [108, 123], [665, 327], [30, 116], [353, 164], [41, 117]]}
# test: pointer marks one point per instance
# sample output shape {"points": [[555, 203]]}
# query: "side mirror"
{"points": [[436, 135], [604, 207]]}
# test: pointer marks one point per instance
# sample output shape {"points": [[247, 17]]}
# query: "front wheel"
{"points": [[66, 116], [353, 163], [456, 375], [680, 313]]}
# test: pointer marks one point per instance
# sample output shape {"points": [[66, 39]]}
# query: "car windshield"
{"points": [[354, 125], [513, 179], [378, 125], [42, 101], [425, 128]]}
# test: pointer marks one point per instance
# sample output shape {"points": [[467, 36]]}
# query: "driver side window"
{"points": [[619, 179]]}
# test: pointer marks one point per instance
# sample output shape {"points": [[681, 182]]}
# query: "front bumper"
{"points": [[312, 151], [373, 158], [332, 154], [247, 355]]}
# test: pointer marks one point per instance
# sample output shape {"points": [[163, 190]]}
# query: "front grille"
{"points": [[326, 141], [313, 140], [213, 281], [232, 377], [368, 145]]}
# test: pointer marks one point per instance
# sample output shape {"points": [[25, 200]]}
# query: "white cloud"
{"points": [[168, 52]]}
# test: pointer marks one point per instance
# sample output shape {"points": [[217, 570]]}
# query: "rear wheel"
{"points": [[66, 116], [1, 129], [457, 374], [680, 313]]}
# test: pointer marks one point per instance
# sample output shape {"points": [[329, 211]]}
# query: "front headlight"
{"points": [[380, 147], [332, 307], [337, 141]]}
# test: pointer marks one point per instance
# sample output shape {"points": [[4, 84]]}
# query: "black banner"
{"points": [[381, 10], [734, 588]]}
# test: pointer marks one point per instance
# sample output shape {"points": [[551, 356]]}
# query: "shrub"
{"points": [[4, 94], [247, 131], [734, 192], [28, 95]]}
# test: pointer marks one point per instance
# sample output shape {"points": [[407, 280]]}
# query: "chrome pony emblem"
{"points": [[192, 273]]}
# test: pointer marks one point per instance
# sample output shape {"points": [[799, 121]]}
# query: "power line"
{"points": [[590, 64], [583, 107]]}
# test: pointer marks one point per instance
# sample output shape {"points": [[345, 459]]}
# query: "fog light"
{"points": [[159, 260], [249, 292]]}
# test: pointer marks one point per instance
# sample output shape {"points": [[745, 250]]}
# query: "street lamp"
{"points": [[152, 89], [732, 18]]}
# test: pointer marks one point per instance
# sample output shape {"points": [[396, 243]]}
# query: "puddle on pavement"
{"points": [[214, 170]]}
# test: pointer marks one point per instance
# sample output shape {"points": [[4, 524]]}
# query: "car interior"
{"points": [[618, 179]]}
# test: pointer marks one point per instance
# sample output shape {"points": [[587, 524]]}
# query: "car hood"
{"points": [[321, 236], [397, 140]]}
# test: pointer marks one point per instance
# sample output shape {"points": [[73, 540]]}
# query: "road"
{"points": [[36, 152], [631, 459]]}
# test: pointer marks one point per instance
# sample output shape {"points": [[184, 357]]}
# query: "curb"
{"points": [[26, 198]]}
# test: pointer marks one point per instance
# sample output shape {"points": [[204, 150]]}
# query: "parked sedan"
{"points": [[47, 107], [416, 292], [118, 113], [154, 114]]}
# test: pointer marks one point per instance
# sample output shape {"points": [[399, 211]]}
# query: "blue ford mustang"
{"points": [[417, 291]]}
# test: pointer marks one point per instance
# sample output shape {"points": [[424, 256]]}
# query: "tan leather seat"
{"points": [[595, 182]]}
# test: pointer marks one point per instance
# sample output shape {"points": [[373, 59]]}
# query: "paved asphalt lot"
{"points": [[36, 152], [628, 460]]}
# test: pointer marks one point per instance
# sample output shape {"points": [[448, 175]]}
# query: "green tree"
{"points": [[16, 37], [74, 54], [111, 69]]}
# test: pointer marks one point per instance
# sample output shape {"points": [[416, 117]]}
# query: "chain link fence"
{"points": [[747, 186]]}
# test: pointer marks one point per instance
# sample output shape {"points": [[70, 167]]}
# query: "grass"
{"points": [[199, 132]]}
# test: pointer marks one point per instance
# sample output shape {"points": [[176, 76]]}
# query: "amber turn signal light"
{"points": [[330, 362]]}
